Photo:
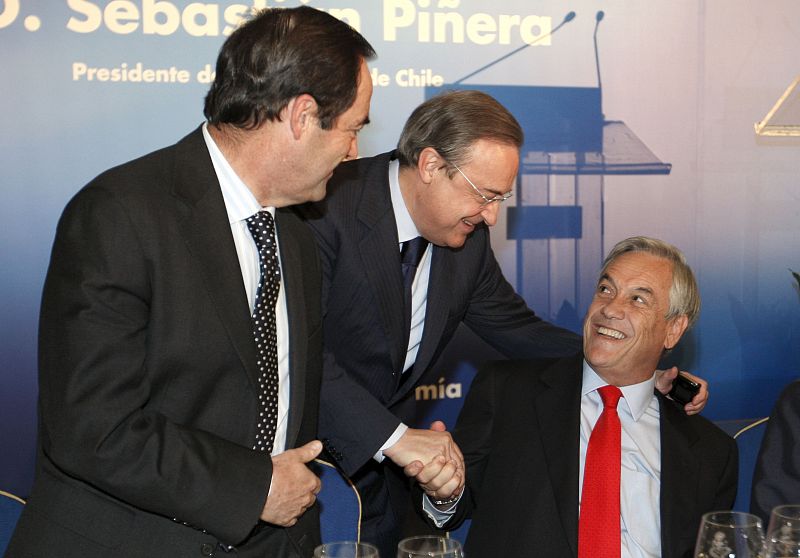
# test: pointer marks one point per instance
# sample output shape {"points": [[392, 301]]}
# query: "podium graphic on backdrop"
{"points": [[557, 219]]}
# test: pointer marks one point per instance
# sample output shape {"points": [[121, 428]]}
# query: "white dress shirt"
{"points": [[640, 482], [240, 203], [407, 230]]}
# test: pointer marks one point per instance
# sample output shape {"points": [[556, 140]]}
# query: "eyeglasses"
{"points": [[486, 201]]}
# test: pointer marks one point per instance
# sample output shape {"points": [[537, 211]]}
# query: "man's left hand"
{"points": [[664, 379]]}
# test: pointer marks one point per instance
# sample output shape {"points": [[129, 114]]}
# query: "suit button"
{"points": [[207, 549]]}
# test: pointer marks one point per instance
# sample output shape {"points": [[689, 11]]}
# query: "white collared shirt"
{"points": [[640, 482], [407, 230], [240, 203]]}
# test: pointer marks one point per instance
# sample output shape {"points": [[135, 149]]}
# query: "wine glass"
{"points": [[429, 546], [346, 549], [730, 534], [783, 532]]}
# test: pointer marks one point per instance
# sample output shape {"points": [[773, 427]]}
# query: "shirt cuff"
{"points": [[439, 517], [393, 439]]}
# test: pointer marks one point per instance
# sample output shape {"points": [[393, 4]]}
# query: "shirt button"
{"points": [[207, 549]]}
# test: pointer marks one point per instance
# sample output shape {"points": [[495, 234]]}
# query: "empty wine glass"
{"points": [[429, 546], [346, 549], [729, 534], [783, 532]]}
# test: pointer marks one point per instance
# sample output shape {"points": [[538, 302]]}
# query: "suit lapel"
{"points": [[679, 475], [379, 248], [294, 285], [207, 233], [558, 412]]}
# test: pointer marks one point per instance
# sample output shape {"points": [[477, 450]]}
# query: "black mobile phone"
{"points": [[683, 389]]}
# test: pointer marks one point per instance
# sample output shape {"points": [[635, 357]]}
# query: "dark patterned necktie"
{"points": [[262, 227], [410, 256], [599, 534]]}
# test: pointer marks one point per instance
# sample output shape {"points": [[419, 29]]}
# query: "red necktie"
{"points": [[598, 528]]}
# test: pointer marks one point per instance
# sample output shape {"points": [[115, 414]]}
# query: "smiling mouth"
{"points": [[608, 332], [468, 223]]}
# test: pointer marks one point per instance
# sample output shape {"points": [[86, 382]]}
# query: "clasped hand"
{"points": [[432, 458]]}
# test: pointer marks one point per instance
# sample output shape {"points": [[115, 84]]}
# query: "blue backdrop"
{"points": [[651, 132]]}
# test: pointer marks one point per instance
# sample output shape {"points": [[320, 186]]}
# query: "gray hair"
{"points": [[684, 296], [452, 122]]}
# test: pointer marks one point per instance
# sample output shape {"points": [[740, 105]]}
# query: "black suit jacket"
{"points": [[520, 433], [776, 480], [365, 342], [147, 372]]}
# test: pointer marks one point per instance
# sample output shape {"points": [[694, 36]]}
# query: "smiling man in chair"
{"points": [[581, 456]]}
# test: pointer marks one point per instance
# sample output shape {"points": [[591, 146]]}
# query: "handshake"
{"points": [[433, 459]]}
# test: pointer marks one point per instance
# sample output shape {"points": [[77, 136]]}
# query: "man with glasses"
{"points": [[456, 161]]}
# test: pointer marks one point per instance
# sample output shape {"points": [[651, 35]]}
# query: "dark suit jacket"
{"points": [[148, 396], [365, 344], [364, 397], [519, 430], [776, 480]]}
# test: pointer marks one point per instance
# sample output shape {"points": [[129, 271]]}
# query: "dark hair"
{"points": [[452, 122], [279, 54]]}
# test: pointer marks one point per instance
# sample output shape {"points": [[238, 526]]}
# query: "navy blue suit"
{"points": [[364, 396], [776, 480]]}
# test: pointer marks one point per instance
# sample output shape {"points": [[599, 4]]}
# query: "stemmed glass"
{"points": [[345, 549], [729, 534], [429, 546], [783, 532]]}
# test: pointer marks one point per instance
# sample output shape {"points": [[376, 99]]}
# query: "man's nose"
{"points": [[613, 309], [490, 212], [352, 153]]}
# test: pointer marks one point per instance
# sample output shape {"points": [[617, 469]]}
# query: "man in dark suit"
{"points": [[167, 428], [456, 161], [776, 480], [527, 429]]}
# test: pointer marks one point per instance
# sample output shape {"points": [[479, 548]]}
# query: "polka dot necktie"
{"points": [[262, 227], [599, 533]]}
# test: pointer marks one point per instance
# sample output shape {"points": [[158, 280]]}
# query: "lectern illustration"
{"points": [[556, 216]]}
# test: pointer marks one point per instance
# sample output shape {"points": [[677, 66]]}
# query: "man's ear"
{"points": [[675, 328], [301, 114], [428, 164]]}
